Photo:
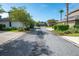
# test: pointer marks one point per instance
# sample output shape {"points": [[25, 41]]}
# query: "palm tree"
{"points": [[67, 11], [61, 11]]}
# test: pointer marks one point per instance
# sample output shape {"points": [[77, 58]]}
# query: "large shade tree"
{"points": [[21, 14]]}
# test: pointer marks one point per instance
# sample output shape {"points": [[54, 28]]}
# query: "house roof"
{"points": [[71, 18], [73, 11], [4, 19]]}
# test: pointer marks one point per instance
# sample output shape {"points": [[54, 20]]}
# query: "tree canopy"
{"points": [[61, 11], [21, 14], [1, 9]]}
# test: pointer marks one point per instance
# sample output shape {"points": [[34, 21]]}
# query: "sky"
{"points": [[42, 11]]}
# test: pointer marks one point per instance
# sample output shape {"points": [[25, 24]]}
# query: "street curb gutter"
{"points": [[70, 41], [77, 45]]}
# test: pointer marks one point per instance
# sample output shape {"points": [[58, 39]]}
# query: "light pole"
{"points": [[67, 11]]}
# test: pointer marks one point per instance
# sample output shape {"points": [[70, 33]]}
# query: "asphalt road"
{"points": [[39, 42]]}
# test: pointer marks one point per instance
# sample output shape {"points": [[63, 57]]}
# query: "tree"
{"points": [[21, 15], [1, 9], [37, 23], [52, 22], [61, 11], [67, 11], [31, 22]]}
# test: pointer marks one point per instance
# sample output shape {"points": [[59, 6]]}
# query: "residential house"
{"points": [[73, 18], [10, 23]]}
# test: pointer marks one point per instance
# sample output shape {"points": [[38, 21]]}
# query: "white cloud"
{"points": [[4, 15]]}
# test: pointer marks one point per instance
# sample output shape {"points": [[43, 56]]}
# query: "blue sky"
{"points": [[42, 11]]}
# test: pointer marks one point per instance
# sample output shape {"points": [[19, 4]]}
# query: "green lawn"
{"points": [[73, 34], [63, 34], [13, 31], [58, 32]]}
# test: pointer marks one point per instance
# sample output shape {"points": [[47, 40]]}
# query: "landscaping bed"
{"points": [[63, 34], [65, 30]]}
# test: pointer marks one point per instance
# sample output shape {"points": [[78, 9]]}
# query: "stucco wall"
{"points": [[6, 23], [17, 24], [13, 24], [71, 24]]}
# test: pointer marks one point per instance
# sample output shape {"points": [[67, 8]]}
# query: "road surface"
{"points": [[39, 42]]}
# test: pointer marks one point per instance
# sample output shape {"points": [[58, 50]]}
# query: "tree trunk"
{"points": [[61, 16]]}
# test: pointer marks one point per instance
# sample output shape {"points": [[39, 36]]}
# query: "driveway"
{"points": [[7, 36], [39, 42]]}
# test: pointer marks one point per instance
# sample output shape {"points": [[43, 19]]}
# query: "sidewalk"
{"points": [[50, 29], [74, 40], [5, 36]]}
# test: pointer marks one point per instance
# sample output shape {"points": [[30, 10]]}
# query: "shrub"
{"points": [[55, 27], [28, 28], [13, 28], [68, 32], [76, 30], [76, 26], [2, 26], [9, 29], [21, 29], [31, 26], [61, 33], [61, 27], [72, 30]]}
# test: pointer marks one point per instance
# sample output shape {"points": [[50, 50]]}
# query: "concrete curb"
{"points": [[74, 43]]}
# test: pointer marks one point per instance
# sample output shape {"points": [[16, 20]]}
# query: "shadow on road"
{"points": [[2, 32], [40, 34], [23, 48]]}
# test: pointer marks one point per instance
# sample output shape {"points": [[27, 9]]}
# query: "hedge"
{"points": [[76, 26], [2, 26], [61, 27]]}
